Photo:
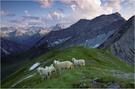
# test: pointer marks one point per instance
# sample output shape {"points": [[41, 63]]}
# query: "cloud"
{"points": [[81, 9], [61, 9], [52, 18], [35, 23], [4, 13], [131, 2], [56, 15], [26, 21], [27, 13], [86, 9], [15, 21], [31, 18], [69, 2], [114, 4], [45, 3]]}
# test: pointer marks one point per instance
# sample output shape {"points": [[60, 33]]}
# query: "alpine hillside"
{"points": [[102, 70]]}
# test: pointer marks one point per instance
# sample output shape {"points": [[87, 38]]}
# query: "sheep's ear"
{"points": [[56, 62], [40, 70]]}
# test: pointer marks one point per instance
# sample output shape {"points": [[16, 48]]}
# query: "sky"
{"points": [[46, 13]]}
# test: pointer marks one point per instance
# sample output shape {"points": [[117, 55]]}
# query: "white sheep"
{"points": [[52, 68], [80, 62], [62, 65], [44, 73]]}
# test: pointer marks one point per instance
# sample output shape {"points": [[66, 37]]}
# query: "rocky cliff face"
{"points": [[123, 47], [93, 38]]}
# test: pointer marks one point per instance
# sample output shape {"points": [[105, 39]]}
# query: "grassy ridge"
{"points": [[97, 63]]}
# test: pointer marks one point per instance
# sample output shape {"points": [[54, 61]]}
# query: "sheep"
{"points": [[52, 68], [62, 65], [80, 62], [44, 73]]}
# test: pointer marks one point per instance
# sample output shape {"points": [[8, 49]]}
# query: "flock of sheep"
{"points": [[57, 66]]}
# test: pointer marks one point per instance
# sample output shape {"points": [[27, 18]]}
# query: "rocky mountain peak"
{"points": [[117, 13], [19, 33], [58, 27]]}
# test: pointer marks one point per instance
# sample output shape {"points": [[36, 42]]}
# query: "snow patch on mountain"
{"points": [[34, 66], [96, 46], [6, 52], [98, 40], [59, 41]]}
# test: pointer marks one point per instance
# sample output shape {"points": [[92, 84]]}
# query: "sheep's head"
{"points": [[40, 69], [46, 67], [54, 61], [73, 59], [58, 61], [51, 65]]}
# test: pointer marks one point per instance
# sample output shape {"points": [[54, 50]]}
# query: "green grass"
{"points": [[97, 62]]}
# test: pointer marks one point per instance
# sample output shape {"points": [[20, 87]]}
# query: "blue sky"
{"points": [[45, 13]]}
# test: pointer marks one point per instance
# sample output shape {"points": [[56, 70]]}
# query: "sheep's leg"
{"points": [[59, 69], [48, 77], [60, 72], [42, 78], [70, 67], [55, 71], [84, 66]]}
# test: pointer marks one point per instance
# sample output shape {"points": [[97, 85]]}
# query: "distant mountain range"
{"points": [[27, 36], [23, 36]]}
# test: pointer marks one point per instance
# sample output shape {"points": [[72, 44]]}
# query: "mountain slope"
{"points": [[99, 64], [11, 48], [122, 42], [93, 39], [57, 37], [124, 47]]}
